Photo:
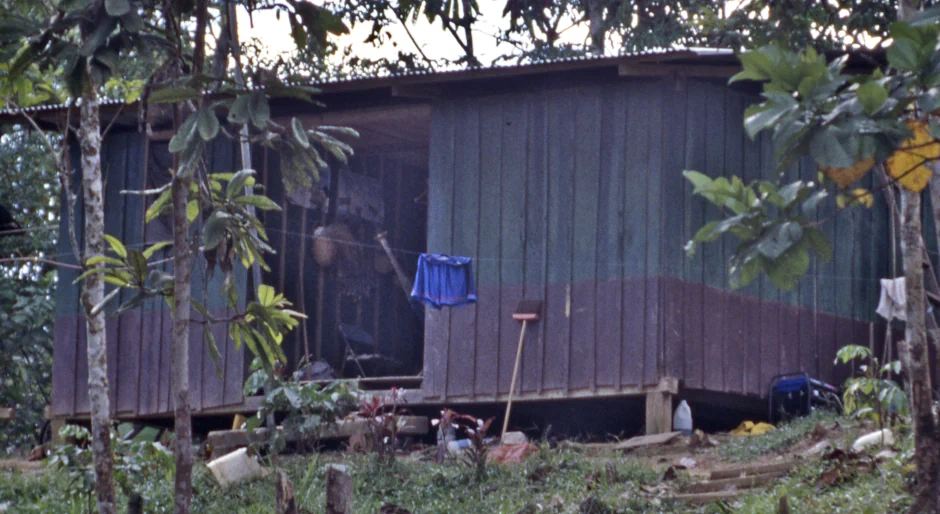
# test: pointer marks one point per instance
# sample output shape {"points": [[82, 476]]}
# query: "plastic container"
{"points": [[682, 419], [455, 447]]}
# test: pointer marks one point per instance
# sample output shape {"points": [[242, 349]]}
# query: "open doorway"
{"points": [[329, 262]]}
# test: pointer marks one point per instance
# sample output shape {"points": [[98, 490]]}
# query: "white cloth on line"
{"points": [[893, 302]]}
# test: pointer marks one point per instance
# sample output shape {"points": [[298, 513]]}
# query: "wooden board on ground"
{"points": [[629, 444], [223, 441], [21, 465], [702, 498], [777, 468], [7, 413]]}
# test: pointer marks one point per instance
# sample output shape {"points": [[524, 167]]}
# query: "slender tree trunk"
{"points": [[182, 302], [182, 271], [92, 295], [595, 11], [927, 456]]}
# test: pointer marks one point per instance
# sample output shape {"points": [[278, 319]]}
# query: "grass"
{"points": [[787, 434], [554, 480]]}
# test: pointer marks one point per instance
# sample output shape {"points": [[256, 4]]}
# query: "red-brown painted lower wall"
{"points": [[610, 334]]}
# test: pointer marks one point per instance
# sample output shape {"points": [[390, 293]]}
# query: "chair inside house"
{"points": [[362, 351]]}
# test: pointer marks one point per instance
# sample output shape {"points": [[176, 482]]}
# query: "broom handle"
{"points": [[515, 374]]}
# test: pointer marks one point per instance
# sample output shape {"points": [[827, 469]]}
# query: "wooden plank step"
{"points": [[223, 441], [703, 498], [22, 465], [731, 484], [778, 468]]}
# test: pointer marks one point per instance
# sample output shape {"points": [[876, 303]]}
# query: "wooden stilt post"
{"points": [[659, 406]]}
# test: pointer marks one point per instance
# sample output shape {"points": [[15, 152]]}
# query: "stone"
{"points": [[513, 438]]}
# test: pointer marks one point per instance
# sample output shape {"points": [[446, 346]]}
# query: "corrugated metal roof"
{"points": [[456, 73]]}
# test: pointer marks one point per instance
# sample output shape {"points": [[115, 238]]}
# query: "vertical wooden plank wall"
{"points": [[593, 215]]}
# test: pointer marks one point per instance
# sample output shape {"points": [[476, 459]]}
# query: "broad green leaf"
{"points": [[872, 96], [117, 7], [184, 137], [779, 239], [258, 109], [192, 210], [238, 112], [208, 125], [300, 134], [786, 271], [116, 245], [259, 202], [148, 253], [757, 63], [763, 116], [238, 182], [214, 230], [902, 54], [266, 295], [827, 149]]}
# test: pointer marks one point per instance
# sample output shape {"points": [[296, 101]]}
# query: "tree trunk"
{"points": [[92, 295], [926, 456], [595, 12], [182, 271]]}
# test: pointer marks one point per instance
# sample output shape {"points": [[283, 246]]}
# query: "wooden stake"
{"points": [[515, 374], [339, 490], [302, 279]]}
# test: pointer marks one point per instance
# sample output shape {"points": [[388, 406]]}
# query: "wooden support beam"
{"points": [[658, 412]]}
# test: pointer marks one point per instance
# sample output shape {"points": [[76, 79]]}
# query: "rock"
{"points": [[513, 454], [886, 454], [884, 436], [687, 463], [700, 439], [236, 467], [819, 431], [513, 438], [817, 449]]}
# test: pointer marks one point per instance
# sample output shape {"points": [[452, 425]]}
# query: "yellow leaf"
{"points": [[864, 197], [907, 164], [840, 201], [844, 177]]}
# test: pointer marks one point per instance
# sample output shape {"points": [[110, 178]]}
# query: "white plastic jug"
{"points": [[682, 419]]}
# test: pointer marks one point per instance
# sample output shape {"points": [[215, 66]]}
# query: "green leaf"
{"points": [[872, 96], [757, 63], [117, 7], [902, 54], [259, 110], [157, 207], [766, 115], [819, 243], [213, 349], [238, 113], [138, 264], [148, 253], [208, 125], [172, 95], [98, 259], [237, 184], [117, 246], [779, 239], [786, 271], [184, 137], [827, 149], [214, 230], [266, 295], [300, 134], [192, 210], [259, 202]]}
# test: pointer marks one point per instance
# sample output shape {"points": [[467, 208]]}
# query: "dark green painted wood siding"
{"points": [[592, 218]]}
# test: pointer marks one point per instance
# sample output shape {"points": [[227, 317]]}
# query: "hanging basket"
{"points": [[327, 242]]}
